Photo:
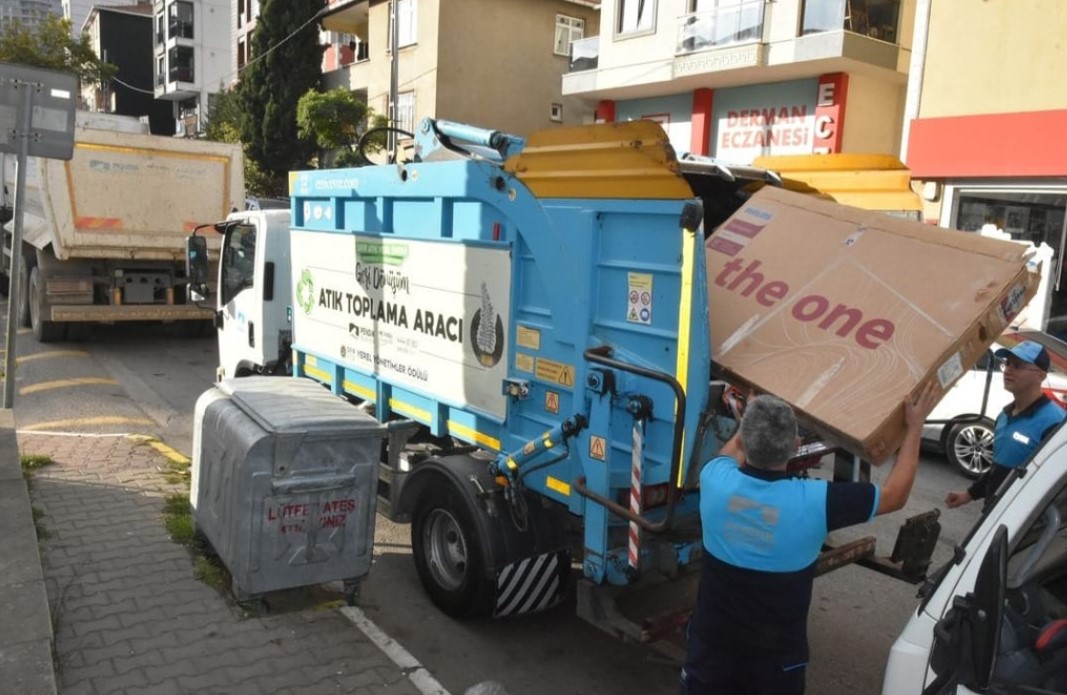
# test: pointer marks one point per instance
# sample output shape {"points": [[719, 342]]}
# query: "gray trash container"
{"points": [[284, 483]]}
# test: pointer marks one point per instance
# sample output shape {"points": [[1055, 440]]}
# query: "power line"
{"points": [[136, 89], [264, 54]]}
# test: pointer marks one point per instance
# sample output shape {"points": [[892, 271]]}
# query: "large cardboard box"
{"points": [[843, 312]]}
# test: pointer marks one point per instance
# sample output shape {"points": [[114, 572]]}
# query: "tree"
{"points": [[224, 125], [335, 120], [49, 44], [286, 63]]}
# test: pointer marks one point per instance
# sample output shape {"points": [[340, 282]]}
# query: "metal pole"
{"points": [[394, 82], [14, 296]]}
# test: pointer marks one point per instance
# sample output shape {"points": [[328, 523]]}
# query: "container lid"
{"points": [[295, 406]]}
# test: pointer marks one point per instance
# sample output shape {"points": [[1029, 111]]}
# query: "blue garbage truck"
{"points": [[529, 319]]}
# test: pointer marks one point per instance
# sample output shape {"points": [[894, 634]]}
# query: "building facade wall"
{"points": [[976, 65], [505, 74]]}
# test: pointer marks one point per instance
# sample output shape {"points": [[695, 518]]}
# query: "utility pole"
{"points": [[394, 82]]}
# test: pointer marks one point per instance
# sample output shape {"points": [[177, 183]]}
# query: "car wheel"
{"points": [[969, 446]]}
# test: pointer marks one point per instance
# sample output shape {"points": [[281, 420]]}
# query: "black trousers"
{"points": [[710, 671]]}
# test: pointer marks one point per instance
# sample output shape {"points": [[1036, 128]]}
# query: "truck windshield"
{"points": [[238, 260]]}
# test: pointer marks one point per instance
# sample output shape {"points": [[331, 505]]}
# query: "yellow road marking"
{"points": [[50, 355], [64, 383], [88, 422], [172, 454]]}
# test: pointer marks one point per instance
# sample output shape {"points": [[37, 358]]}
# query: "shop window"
{"points": [[635, 16], [1036, 216], [568, 29], [878, 19]]}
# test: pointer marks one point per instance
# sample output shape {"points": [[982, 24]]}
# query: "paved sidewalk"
{"points": [[129, 615]]}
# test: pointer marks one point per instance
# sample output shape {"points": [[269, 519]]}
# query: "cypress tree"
{"points": [[281, 69]]}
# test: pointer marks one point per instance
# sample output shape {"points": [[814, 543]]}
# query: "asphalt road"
{"points": [[145, 378]]}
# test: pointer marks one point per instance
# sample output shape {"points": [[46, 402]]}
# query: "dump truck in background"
{"points": [[104, 234]]}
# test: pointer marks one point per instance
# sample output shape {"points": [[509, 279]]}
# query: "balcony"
{"points": [[726, 25], [353, 77], [181, 74], [585, 54], [180, 30], [876, 19]]}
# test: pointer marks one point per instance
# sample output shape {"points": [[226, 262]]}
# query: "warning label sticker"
{"points": [[639, 298], [598, 448], [556, 372]]}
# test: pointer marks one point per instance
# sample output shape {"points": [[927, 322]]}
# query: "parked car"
{"points": [[962, 430]]}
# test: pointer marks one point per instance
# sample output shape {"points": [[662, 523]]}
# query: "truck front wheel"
{"points": [[44, 331], [448, 554]]}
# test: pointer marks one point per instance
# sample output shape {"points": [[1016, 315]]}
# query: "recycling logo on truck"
{"points": [[305, 291]]}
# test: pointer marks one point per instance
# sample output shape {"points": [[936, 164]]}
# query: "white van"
{"points": [[994, 619]]}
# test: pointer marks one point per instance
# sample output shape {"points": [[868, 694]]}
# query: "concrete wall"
{"points": [[986, 57], [497, 66], [873, 115]]}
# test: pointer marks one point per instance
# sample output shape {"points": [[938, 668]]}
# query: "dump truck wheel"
{"points": [[448, 553], [43, 331], [969, 447]]}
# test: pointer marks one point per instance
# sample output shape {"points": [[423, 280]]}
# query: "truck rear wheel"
{"points": [[448, 553], [44, 331]]}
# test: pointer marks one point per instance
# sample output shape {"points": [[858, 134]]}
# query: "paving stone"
{"points": [[133, 619]]}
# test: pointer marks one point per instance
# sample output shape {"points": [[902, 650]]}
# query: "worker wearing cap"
{"points": [[1022, 425], [763, 531]]}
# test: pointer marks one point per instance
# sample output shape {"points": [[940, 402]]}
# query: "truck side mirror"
{"points": [[196, 266]]}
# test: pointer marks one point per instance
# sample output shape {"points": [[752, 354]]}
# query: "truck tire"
{"points": [[43, 331], [969, 447], [448, 553]]}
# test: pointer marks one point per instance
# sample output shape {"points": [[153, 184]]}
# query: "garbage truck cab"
{"points": [[994, 619]]}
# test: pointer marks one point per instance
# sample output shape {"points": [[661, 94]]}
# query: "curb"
{"points": [[26, 641]]}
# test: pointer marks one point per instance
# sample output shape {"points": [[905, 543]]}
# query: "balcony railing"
{"points": [[878, 19], [181, 74], [739, 22], [585, 54], [181, 30]]}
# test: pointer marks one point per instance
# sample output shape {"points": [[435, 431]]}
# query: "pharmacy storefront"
{"points": [[739, 124]]}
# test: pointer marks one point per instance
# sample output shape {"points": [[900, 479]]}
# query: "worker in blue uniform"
{"points": [[1022, 425], [763, 531]]}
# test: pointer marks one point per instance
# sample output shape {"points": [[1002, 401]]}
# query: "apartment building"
{"points": [[77, 11], [122, 35], [740, 79], [496, 63], [28, 12], [192, 57], [987, 117]]}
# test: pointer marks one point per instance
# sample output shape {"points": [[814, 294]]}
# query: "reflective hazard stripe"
{"points": [[529, 585]]}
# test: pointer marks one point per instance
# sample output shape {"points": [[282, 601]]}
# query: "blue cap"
{"points": [[1027, 351]]}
